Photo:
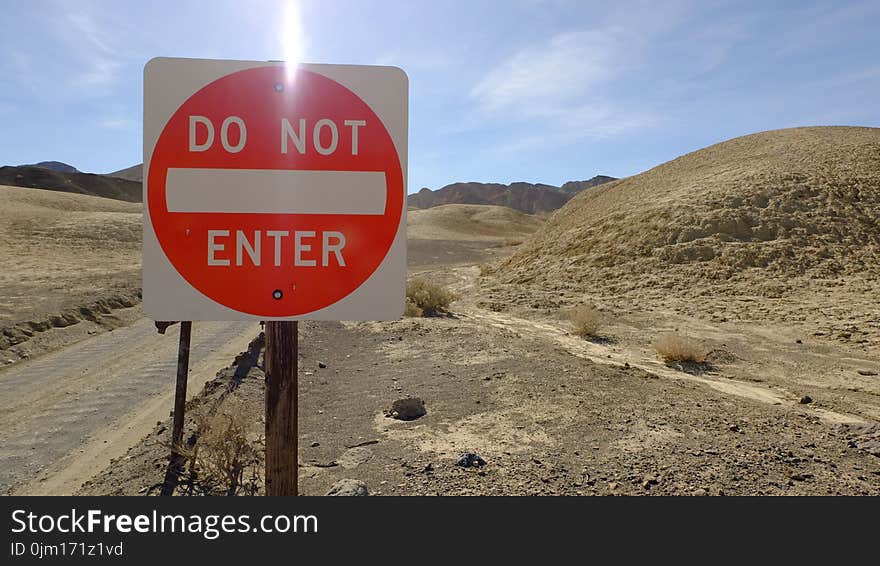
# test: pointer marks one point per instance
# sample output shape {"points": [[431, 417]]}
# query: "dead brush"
{"points": [[587, 321], [424, 298], [673, 348], [223, 451]]}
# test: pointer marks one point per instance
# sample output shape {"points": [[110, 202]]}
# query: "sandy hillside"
{"points": [[781, 225], [66, 257], [470, 222]]}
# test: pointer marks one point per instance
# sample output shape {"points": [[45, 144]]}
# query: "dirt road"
{"points": [[65, 415]]}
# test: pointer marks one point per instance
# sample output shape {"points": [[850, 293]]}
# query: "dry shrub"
{"points": [[223, 450], [411, 309], [587, 321], [426, 299], [674, 348]]}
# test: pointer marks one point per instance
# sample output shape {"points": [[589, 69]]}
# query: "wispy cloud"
{"points": [[118, 124], [562, 87], [416, 61], [100, 63], [565, 68], [84, 24]]}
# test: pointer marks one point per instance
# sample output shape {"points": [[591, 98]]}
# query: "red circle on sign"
{"points": [[261, 97]]}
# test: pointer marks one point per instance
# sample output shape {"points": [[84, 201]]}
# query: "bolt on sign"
{"points": [[273, 191]]}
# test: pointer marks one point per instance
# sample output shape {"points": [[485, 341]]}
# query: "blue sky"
{"points": [[501, 91]]}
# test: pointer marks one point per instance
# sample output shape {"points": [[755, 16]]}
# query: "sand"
{"points": [[471, 222]]}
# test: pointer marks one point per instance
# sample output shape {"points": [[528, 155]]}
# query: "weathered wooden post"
{"points": [[175, 464], [282, 446]]}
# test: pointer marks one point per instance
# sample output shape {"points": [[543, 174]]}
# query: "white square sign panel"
{"points": [[274, 191]]}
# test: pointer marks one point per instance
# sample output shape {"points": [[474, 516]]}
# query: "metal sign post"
{"points": [[180, 389], [175, 464]]}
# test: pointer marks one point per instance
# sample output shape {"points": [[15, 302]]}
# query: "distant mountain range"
{"points": [[54, 166], [525, 197], [125, 184], [41, 177], [133, 173]]}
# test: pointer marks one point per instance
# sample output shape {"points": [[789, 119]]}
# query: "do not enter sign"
{"points": [[274, 192]]}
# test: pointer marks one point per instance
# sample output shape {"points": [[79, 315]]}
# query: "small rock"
{"points": [[733, 428], [798, 341], [806, 400], [407, 409], [9, 362], [322, 365], [348, 488], [429, 468], [867, 372], [470, 460], [613, 486], [701, 492], [354, 457], [315, 444]]}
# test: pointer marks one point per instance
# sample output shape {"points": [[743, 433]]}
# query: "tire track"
{"points": [[52, 405]]}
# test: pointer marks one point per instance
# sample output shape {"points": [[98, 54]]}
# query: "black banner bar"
{"points": [[459, 530]]}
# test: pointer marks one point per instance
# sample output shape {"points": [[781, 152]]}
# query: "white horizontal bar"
{"points": [[275, 191]]}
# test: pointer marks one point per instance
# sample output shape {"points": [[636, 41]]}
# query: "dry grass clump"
{"points": [[587, 321], [424, 298], [674, 348], [223, 450], [411, 309]]}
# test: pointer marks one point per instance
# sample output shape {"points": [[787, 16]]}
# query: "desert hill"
{"points": [[574, 187], [525, 197], [62, 254], [54, 166], [82, 183], [792, 216], [133, 173], [470, 222]]}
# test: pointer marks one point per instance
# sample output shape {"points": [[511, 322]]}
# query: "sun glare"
{"points": [[291, 37]]}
